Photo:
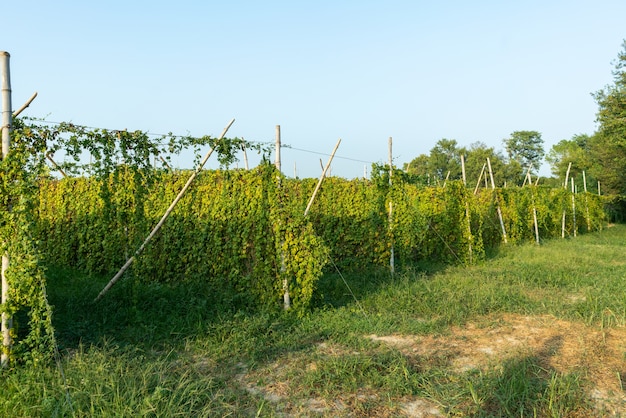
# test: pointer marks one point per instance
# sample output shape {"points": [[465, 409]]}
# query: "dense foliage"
{"points": [[234, 226], [243, 232]]}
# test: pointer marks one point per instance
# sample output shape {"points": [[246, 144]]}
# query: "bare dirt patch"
{"points": [[563, 346], [559, 345]]}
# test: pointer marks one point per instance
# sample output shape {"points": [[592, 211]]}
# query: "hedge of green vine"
{"points": [[241, 232], [233, 227]]}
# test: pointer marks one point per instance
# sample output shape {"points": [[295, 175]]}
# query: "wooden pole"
{"points": [[586, 202], [463, 170], [25, 105], [574, 208], [446, 179], [527, 177], [493, 187], [165, 215], [165, 163], [319, 183], [6, 144], [245, 156], [55, 165], [283, 267], [392, 263], [480, 178], [569, 166], [277, 161]]}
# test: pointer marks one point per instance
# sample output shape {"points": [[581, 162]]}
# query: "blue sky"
{"points": [[362, 71]]}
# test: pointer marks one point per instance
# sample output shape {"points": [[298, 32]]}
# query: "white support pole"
{"points": [[493, 187], [569, 166], [283, 267], [245, 156], [6, 144], [278, 145], [463, 170], [319, 183], [574, 207], [392, 263]]}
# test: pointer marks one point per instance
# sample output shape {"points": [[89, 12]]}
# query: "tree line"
{"points": [[601, 155]]}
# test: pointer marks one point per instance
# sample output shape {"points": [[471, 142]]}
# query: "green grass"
{"points": [[164, 350]]}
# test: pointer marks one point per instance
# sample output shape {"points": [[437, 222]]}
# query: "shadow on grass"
{"points": [[527, 386], [161, 317], [133, 312]]}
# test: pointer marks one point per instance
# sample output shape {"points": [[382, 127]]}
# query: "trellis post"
{"points": [[6, 143]]}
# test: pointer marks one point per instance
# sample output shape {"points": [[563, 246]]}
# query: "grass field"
{"points": [[531, 331]]}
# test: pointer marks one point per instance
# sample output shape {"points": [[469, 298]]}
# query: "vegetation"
{"points": [[417, 341]]}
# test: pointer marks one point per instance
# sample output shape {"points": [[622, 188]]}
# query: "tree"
{"points": [[524, 149], [418, 166], [476, 156], [575, 151], [608, 149], [444, 158]]}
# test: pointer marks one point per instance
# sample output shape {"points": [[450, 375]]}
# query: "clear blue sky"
{"points": [[362, 71]]}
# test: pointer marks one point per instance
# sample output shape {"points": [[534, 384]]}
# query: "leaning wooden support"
{"points": [[319, 183], [493, 187], [480, 178], [25, 105], [165, 216], [569, 166]]}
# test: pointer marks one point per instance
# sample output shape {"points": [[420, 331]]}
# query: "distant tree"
{"points": [[418, 166], [476, 157], [575, 151], [444, 158], [525, 147], [608, 148]]}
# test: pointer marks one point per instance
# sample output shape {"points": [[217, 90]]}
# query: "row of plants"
{"points": [[246, 231], [243, 232]]}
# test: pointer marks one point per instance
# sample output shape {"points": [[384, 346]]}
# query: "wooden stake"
{"points": [[574, 207], [165, 215], [392, 263], [569, 166], [283, 267], [55, 165], [493, 187], [245, 156], [6, 144], [480, 178], [278, 145], [165, 163], [446, 179], [25, 105], [319, 183], [463, 169]]}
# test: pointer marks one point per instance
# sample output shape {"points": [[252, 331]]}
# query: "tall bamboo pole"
{"points": [[392, 257], [165, 215], [480, 178], [493, 187], [6, 144], [569, 166], [319, 183], [283, 267], [245, 156], [586, 202], [574, 207], [463, 170]]}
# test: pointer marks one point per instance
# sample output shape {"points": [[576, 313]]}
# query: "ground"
{"points": [[557, 345]]}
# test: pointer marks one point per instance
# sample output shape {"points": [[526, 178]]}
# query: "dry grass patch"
{"points": [[560, 346]]}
